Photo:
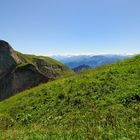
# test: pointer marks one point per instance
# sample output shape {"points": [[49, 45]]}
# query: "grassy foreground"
{"points": [[98, 104]]}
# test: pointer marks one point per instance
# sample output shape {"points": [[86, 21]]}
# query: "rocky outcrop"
{"points": [[7, 61], [19, 72]]}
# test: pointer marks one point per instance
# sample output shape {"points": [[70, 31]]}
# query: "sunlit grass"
{"points": [[98, 104]]}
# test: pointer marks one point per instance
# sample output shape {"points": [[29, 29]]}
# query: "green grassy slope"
{"points": [[98, 104], [31, 58], [55, 68]]}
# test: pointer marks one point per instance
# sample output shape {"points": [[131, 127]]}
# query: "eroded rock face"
{"points": [[19, 80], [7, 62], [19, 72], [15, 79]]}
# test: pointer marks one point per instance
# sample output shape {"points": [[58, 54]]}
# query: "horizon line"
{"points": [[84, 54]]}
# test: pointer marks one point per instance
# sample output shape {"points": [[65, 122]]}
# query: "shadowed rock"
{"points": [[7, 61], [19, 72]]}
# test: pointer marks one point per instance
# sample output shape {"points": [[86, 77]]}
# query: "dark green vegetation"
{"points": [[98, 104]]}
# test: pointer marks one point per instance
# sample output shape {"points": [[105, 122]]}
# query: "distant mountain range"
{"points": [[90, 60]]}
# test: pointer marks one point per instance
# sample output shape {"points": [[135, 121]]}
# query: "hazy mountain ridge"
{"points": [[81, 68], [90, 60]]}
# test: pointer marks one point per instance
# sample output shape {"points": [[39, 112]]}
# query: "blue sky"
{"points": [[50, 27]]}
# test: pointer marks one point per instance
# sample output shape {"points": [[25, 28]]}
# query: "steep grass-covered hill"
{"points": [[98, 104], [19, 72]]}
